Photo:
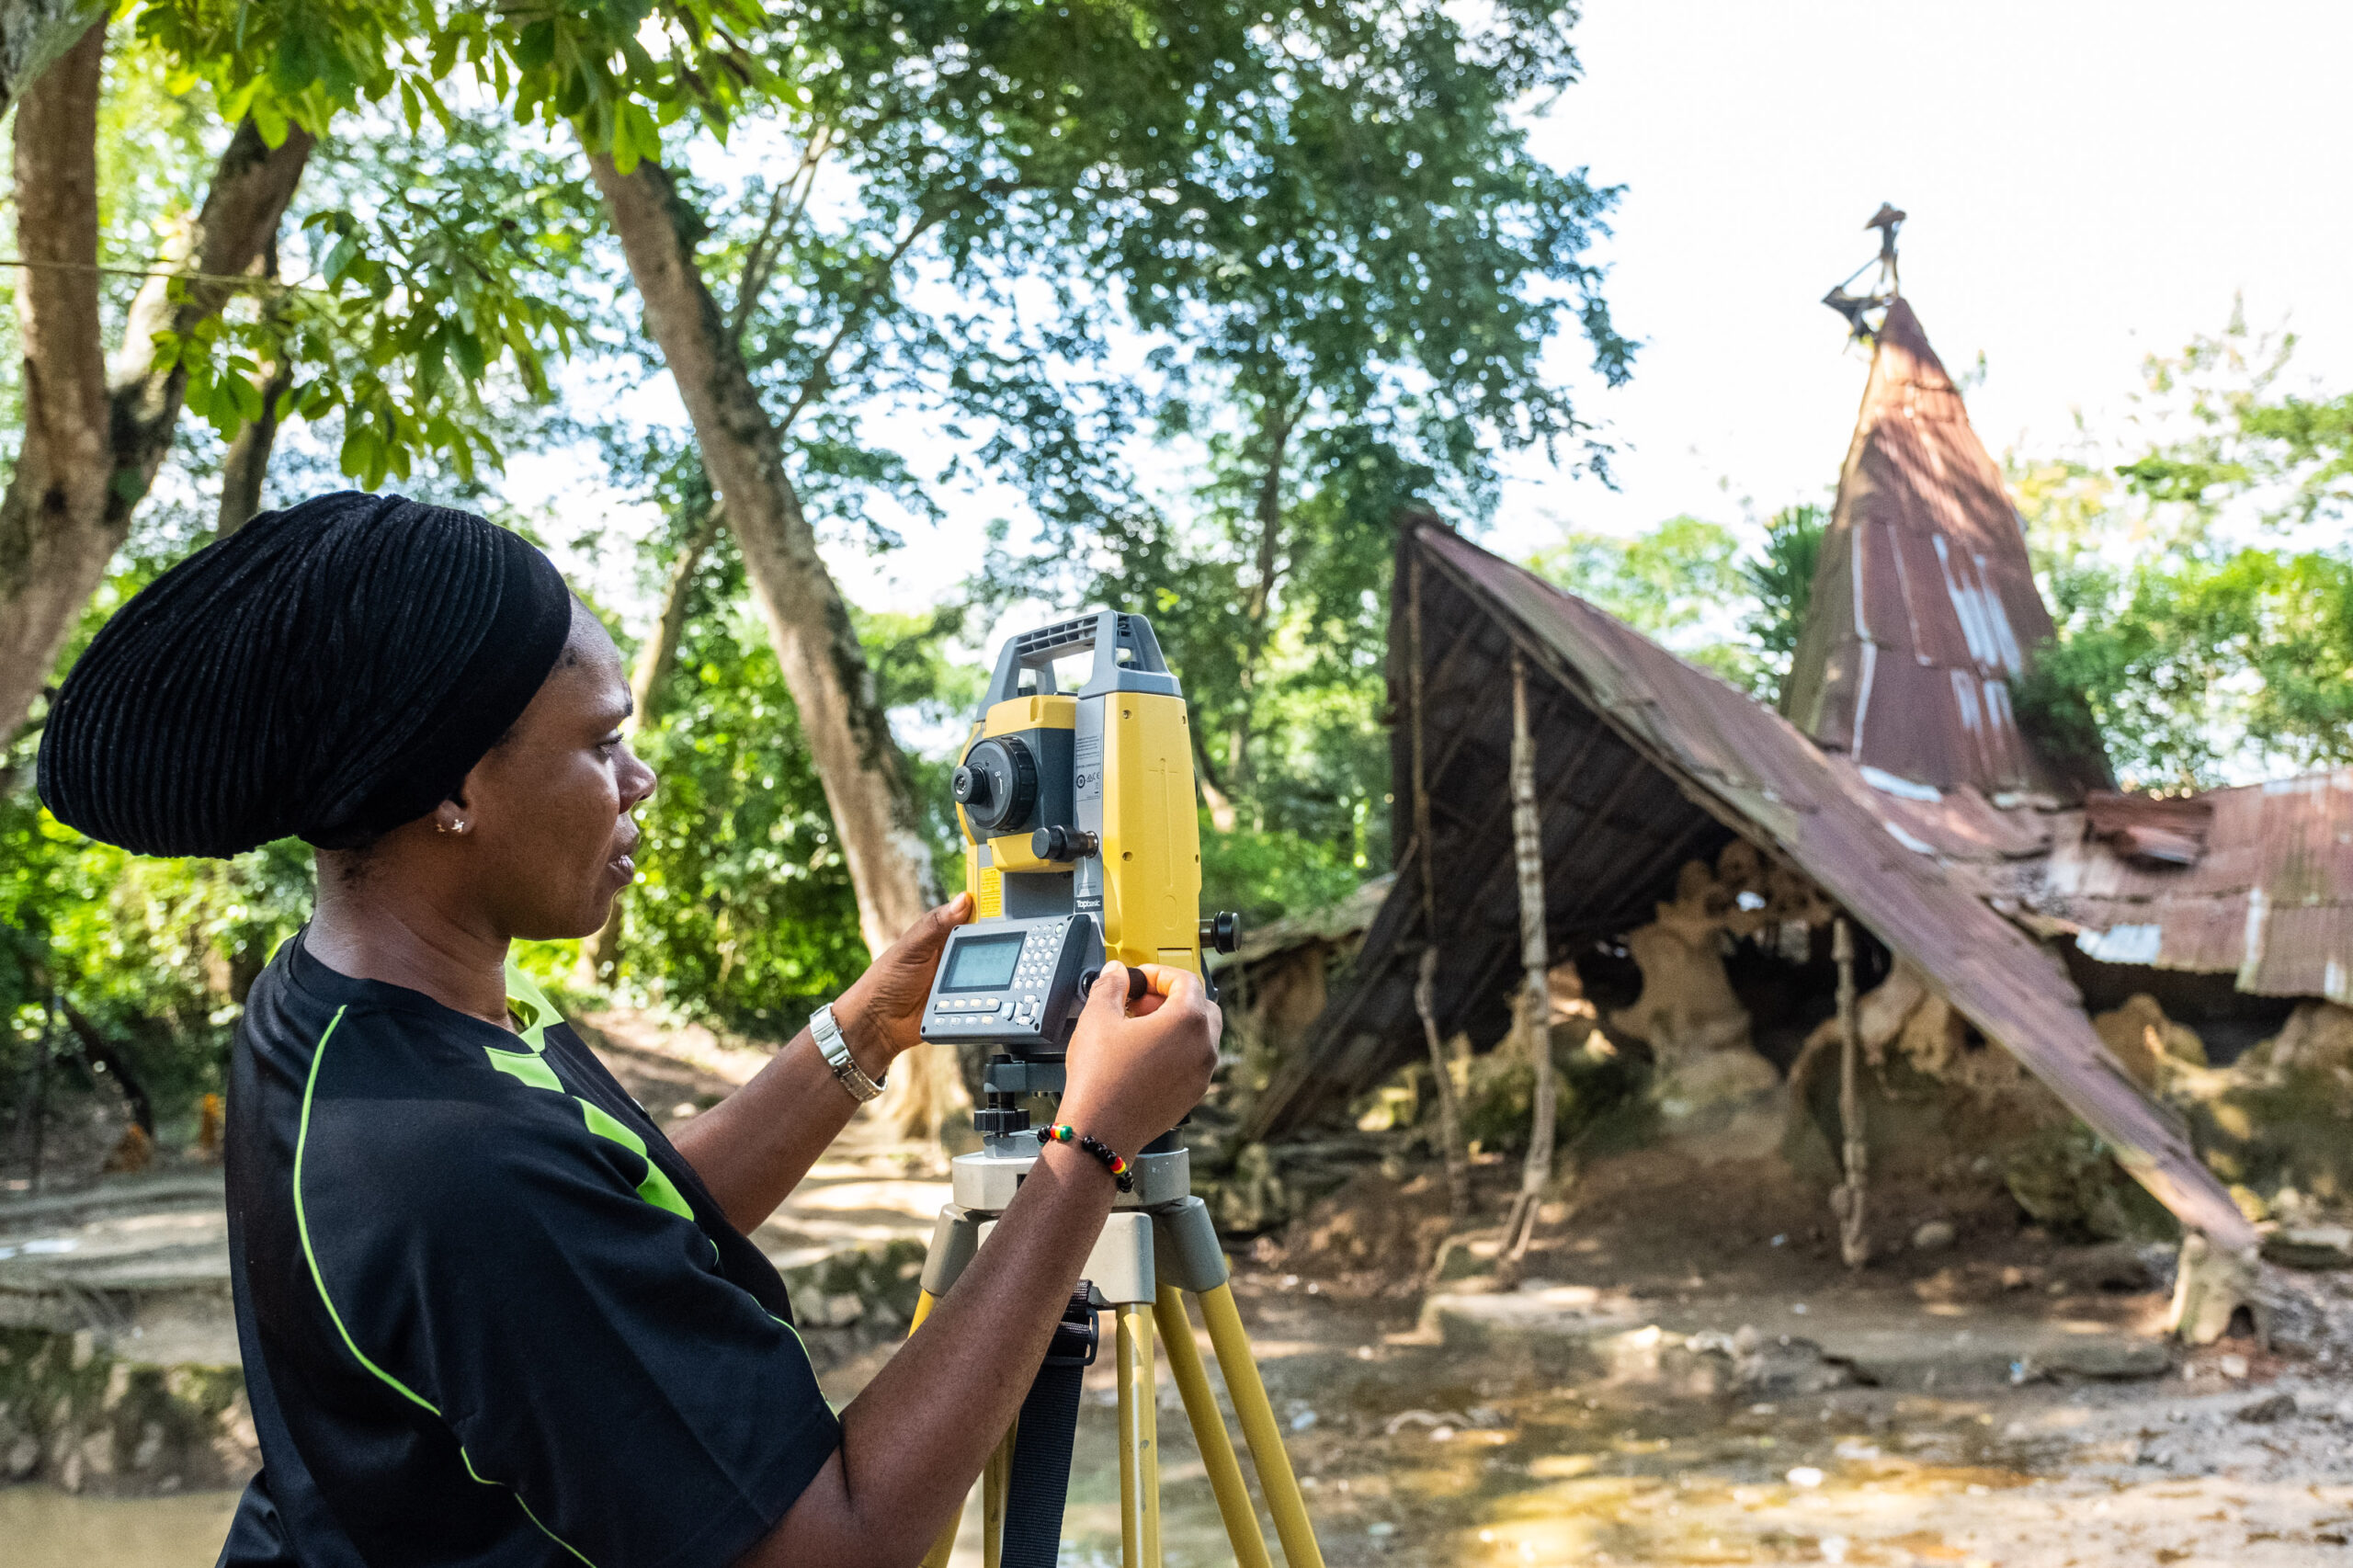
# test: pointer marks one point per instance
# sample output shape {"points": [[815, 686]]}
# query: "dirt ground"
{"points": [[1757, 1403], [1416, 1450], [1412, 1450]]}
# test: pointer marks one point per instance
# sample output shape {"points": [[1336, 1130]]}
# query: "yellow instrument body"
{"points": [[1136, 792]]}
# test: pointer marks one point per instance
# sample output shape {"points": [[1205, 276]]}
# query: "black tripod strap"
{"points": [[1039, 1483]]}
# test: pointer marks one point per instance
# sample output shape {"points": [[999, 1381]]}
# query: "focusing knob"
{"points": [[1221, 932], [997, 785], [1061, 843]]}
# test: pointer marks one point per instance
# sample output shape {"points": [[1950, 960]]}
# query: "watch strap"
{"points": [[835, 1049]]}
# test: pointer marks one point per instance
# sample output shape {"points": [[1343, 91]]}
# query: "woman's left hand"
{"points": [[882, 1009]]}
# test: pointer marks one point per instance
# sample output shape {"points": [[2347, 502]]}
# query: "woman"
{"points": [[489, 1313]]}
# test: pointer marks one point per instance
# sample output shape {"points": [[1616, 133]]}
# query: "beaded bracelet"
{"points": [[1117, 1164]]}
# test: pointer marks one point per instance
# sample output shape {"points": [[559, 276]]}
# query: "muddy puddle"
{"points": [[45, 1528], [1411, 1455]]}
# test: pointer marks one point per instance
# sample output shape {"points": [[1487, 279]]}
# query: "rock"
{"points": [[2311, 1246], [2263, 1412], [2316, 1035], [2110, 1265], [75, 1413], [873, 1283], [2108, 1358], [1791, 1366], [1255, 1197], [2139, 1035], [2065, 1180], [1934, 1236], [1558, 1323]]}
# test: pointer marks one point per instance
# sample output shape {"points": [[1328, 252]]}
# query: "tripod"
{"points": [[1157, 1247]]}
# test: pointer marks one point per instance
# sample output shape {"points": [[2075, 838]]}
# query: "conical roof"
{"points": [[1923, 606]]}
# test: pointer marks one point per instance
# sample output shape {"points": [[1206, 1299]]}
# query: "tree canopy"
{"points": [[1215, 291]]}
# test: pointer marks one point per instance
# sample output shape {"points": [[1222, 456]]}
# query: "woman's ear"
{"points": [[449, 817]]}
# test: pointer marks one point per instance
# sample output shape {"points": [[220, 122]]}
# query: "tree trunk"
{"points": [[1213, 795], [247, 464], [655, 659], [83, 471], [1276, 427], [53, 546], [37, 34], [847, 732], [1532, 1011], [235, 227], [99, 1051]]}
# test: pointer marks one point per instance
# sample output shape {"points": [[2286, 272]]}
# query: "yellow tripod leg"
{"points": [[945, 1546], [1224, 1320], [1210, 1436], [1139, 1443], [995, 1480]]}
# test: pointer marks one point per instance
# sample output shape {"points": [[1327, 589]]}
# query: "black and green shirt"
{"points": [[489, 1315]]}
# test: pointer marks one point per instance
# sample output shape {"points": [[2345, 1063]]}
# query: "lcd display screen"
{"points": [[982, 963]]}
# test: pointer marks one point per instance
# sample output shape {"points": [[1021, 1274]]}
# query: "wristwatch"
{"points": [[828, 1036]]}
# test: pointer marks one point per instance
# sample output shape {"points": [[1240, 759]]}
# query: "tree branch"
{"points": [[777, 231], [820, 380]]}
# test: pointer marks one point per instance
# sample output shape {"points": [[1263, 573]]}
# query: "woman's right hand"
{"points": [[1134, 1072]]}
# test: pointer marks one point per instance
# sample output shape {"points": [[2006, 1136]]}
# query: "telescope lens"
{"points": [[997, 785]]}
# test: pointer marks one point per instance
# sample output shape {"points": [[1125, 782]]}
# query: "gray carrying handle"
{"points": [[1111, 633]]}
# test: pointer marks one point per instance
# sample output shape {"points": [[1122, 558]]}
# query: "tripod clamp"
{"points": [[1077, 1338]]}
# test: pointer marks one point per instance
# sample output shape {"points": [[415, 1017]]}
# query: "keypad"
{"points": [[1021, 1004]]}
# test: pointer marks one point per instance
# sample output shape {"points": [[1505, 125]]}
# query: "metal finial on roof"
{"points": [[1887, 220]]}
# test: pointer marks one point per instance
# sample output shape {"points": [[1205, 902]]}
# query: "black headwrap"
{"points": [[327, 672]]}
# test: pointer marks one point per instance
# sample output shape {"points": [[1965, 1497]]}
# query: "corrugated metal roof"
{"points": [[1923, 606], [1645, 761], [2269, 898]]}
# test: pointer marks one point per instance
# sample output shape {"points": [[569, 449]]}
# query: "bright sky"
{"points": [[2088, 182]]}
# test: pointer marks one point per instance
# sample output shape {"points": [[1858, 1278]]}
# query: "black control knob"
{"points": [[1221, 932], [997, 785], [1061, 843], [1138, 984]]}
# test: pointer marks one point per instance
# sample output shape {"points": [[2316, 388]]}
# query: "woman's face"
{"points": [[548, 810]]}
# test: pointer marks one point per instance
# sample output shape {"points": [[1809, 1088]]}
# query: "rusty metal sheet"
{"points": [[2269, 898], [1924, 603], [1646, 761], [1959, 824]]}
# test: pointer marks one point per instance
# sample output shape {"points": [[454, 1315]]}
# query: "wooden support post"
{"points": [[1847, 1199], [1531, 1012], [2214, 1283], [1449, 1116]]}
